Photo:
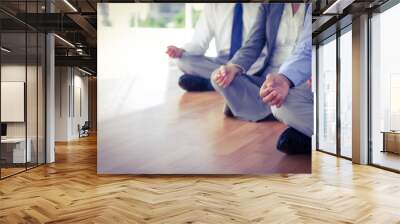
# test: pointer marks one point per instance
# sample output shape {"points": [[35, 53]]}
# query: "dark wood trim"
{"points": [[338, 100]]}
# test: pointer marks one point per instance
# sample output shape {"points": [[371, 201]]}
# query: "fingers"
{"points": [[223, 77], [270, 97], [218, 80], [170, 52], [173, 52], [267, 86], [222, 70], [220, 76], [276, 101], [265, 90], [274, 98], [271, 91], [217, 76], [227, 76], [226, 80]]}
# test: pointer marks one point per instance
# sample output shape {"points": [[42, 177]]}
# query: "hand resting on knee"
{"points": [[224, 75], [275, 89]]}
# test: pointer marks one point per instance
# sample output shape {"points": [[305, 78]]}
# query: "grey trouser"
{"points": [[200, 65], [242, 97]]}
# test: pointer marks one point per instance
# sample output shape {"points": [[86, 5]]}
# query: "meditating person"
{"points": [[229, 24], [281, 90]]}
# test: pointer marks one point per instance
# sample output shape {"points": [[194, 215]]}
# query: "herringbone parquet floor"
{"points": [[70, 191]]}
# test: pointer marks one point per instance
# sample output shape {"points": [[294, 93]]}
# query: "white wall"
{"points": [[70, 81], [80, 83], [62, 81]]}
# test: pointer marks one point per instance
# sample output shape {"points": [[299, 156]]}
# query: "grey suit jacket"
{"points": [[263, 34]]}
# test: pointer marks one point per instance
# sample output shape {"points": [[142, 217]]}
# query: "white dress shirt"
{"points": [[216, 22], [288, 34]]}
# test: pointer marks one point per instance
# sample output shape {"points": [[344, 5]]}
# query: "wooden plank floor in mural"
{"points": [[175, 132]]}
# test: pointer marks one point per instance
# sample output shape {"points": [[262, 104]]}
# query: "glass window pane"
{"points": [[14, 153], [41, 98], [31, 97], [346, 94], [160, 15], [197, 9], [314, 76], [31, 88], [385, 87], [327, 97], [22, 90]]}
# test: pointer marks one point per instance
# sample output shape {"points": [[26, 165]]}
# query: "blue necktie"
{"points": [[237, 30]]}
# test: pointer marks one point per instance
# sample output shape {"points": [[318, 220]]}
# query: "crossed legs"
{"points": [[197, 71], [242, 97], [298, 110]]}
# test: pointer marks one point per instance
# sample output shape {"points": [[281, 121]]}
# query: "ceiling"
{"points": [[74, 22], [332, 15]]}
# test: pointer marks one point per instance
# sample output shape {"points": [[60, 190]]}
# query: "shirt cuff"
{"points": [[292, 76]]}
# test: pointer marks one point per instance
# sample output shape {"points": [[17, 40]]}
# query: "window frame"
{"points": [[334, 37], [379, 10]]}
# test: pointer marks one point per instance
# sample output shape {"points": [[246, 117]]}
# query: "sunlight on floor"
{"points": [[133, 67]]}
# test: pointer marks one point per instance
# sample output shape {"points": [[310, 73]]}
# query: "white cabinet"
{"points": [[19, 155]]}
